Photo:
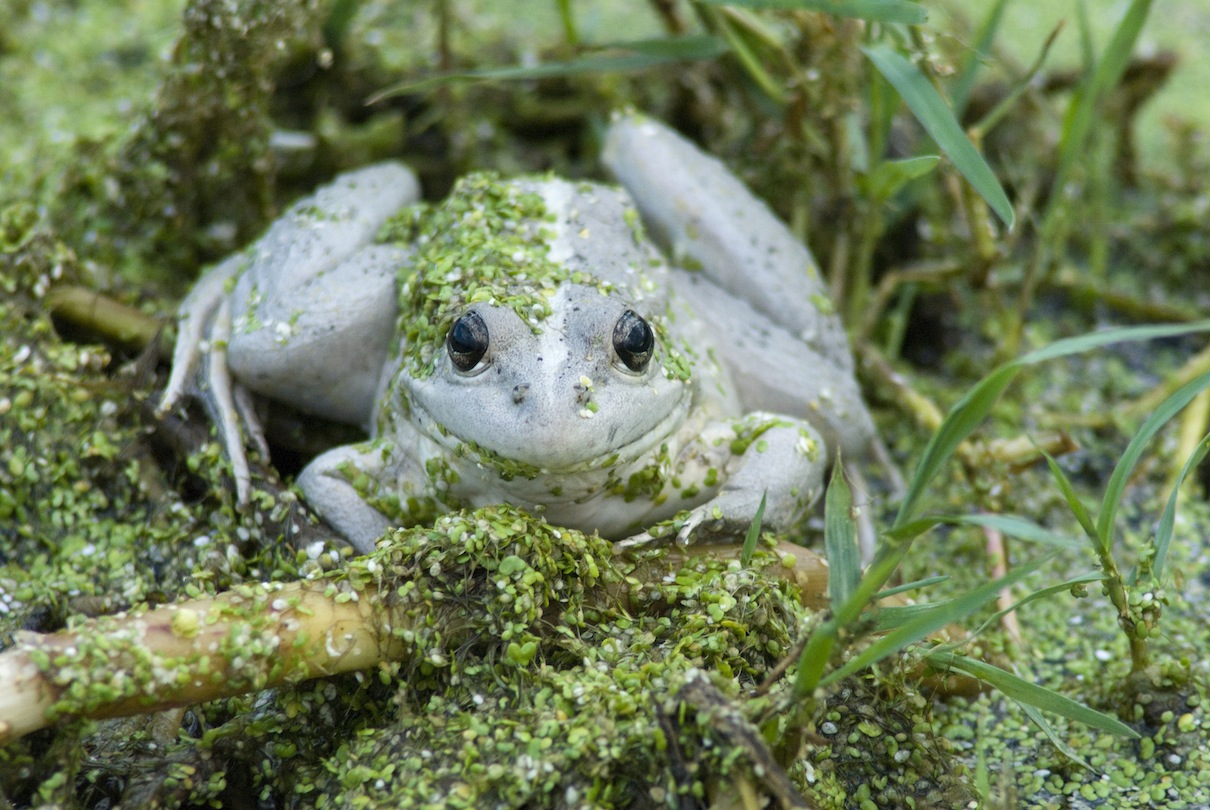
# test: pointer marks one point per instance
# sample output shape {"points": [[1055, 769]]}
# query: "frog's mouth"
{"points": [[541, 440]]}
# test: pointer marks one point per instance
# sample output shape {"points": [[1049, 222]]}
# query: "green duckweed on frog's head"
{"points": [[486, 243]]}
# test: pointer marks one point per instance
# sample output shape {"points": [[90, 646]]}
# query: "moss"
{"points": [[485, 243], [530, 684]]}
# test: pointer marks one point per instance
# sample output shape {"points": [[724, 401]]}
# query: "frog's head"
{"points": [[533, 326], [596, 383]]}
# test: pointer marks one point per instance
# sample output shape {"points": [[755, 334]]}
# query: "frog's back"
{"points": [[595, 230]]}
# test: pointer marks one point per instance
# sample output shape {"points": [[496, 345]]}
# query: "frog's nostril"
{"points": [[519, 392]]}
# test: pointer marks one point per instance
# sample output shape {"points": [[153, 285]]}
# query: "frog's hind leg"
{"points": [[306, 314], [313, 315], [775, 330], [773, 370], [323, 351], [708, 220]]}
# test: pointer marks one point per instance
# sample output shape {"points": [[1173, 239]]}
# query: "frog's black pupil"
{"points": [[633, 340], [467, 341]]}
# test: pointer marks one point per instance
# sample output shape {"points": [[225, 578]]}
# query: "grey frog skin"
{"points": [[526, 341]]}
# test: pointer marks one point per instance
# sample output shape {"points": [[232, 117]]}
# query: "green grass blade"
{"points": [[748, 57], [971, 409], [1018, 527], [1163, 534], [840, 539], [1012, 525], [890, 11], [914, 528], [939, 121], [986, 35], [1074, 503], [1029, 693], [896, 616], [814, 658], [876, 575], [1043, 593], [1055, 740], [929, 621], [1134, 451], [753, 535], [890, 618], [915, 585], [1106, 337], [818, 650], [1081, 113], [570, 33], [960, 422]]}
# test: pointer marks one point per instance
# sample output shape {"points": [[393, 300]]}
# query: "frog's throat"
{"points": [[653, 439]]}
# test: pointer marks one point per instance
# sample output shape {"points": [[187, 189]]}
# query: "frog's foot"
{"points": [[327, 485], [205, 331], [195, 328], [723, 520]]}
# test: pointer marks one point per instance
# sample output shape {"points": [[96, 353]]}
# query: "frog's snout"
{"points": [[521, 395]]}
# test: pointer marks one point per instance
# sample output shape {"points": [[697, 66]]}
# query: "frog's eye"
{"points": [[467, 341], [633, 341]]}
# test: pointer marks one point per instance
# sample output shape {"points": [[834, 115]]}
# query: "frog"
{"points": [[655, 352]]}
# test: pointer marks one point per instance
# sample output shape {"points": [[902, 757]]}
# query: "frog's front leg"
{"points": [[761, 456], [330, 485], [400, 478]]}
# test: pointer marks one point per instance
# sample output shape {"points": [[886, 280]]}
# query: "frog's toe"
{"points": [[195, 330], [640, 540], [229, 411], [709, 526], [200, 367]]}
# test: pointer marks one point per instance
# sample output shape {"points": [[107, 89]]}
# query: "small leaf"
{"points": [[891, 175], [1163, 534], [1030, 694], [840, 539], [939, 121], [753, 533], [892, 11]]}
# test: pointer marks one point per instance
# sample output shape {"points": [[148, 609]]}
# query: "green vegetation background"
{"points": [[124, 168]]}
